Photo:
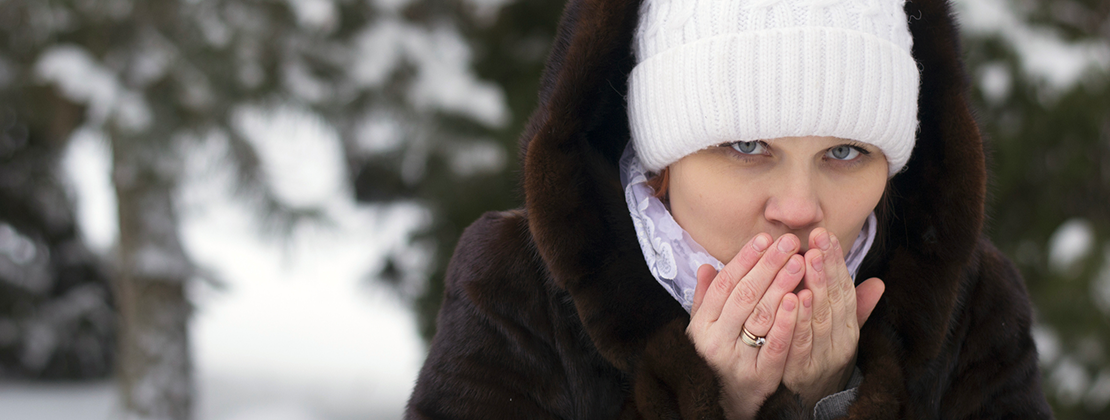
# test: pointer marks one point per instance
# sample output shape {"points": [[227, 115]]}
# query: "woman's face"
{"points": [[725, 195]]}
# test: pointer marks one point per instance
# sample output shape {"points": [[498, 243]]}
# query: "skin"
{"points": [[775, 211]]}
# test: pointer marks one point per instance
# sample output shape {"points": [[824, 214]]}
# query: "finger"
{"points": [[835, 272], [842, 298], [816, 282], [771, 359], [801, 347], [725, 282], [763, 315], [867, 296], [754, 285], [706, 273]]}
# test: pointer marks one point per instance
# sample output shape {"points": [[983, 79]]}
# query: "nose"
{"points": [[794, 203]]}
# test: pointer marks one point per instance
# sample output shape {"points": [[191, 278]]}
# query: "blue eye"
{"points": [[750, 147], [843, 152]]}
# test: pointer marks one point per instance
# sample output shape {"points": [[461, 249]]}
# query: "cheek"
{"points": [[850, 207], [718, 215]]}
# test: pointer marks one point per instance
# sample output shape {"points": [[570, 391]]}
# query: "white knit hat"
{"points": [[716, 71]]}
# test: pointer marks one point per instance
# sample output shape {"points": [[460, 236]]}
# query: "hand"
{"points": [[752, 291], [823, 349]]}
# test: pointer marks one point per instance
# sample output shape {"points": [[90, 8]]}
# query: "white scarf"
{"points": [[671, 254]]}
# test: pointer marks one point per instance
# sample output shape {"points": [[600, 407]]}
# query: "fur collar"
{"points": [[582, 230]]}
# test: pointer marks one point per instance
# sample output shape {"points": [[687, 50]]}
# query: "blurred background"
{"points": [[237, 210]]}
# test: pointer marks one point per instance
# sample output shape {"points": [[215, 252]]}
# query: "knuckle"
{"points": [[724, 281], [853, 336], [760, 315], [776, 345], [720, 286], [746, 294], [803, 339], [848, 287], [835, 293], [821, 320]]}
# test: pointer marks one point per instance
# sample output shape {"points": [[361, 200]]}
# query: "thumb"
{"points": [[706, 273], [867, 296]]}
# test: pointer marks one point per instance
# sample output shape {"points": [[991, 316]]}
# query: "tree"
{"points": [[1041, 73], [56, 311], [393, 77]]}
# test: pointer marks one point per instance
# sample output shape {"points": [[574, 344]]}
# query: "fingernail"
{"points": [[788, 304], [819, 263], [823, 241], [807, 302], [786, 244], [793, 266], [761, 243]]}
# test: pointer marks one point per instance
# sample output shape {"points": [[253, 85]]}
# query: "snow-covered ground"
{"points": [[301, 332]]}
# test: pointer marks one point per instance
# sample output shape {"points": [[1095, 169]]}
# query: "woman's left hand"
{"points": [[823, 350]]}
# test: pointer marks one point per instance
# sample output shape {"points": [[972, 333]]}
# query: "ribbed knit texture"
{"points": [[716, 71]]}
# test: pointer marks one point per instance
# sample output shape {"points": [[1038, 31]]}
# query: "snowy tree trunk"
{"points": [[155, 369]]}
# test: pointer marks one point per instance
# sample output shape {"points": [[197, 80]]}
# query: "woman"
{"points": [[703, 182]]}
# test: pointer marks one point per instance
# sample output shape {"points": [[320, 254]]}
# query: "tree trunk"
{"points": [[154, 366]]}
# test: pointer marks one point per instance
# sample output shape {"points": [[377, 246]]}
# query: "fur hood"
{"points": [[551, 312], [931, 249]]}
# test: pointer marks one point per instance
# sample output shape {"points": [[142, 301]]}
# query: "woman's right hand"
{"points": [[753, 291]]}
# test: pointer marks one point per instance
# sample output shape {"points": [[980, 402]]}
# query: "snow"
{"points": [[379, 132], [279, 411], [36, 401], [315, 14], [444, 80], [87, 166], [301, 154], [486, 10], [153, 60], [441, 58], [14, 246], [1047, 342], [380, 47], [24, 262], [61, 315], [1070, 380], [1044, 53], [995, 82], [301, 83], [215, 31], [1069, 245], [476, 157], [299, 331], [82, 78]]}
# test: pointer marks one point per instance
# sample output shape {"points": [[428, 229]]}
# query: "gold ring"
{"points": [[751, 339]]}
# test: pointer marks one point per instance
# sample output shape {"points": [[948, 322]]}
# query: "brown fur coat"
{"points": [[551, 312]]}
